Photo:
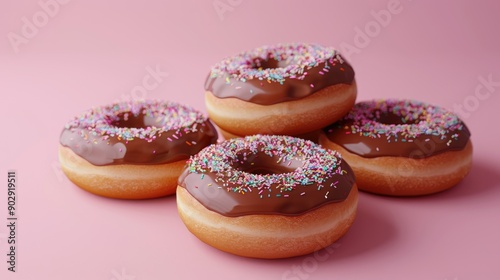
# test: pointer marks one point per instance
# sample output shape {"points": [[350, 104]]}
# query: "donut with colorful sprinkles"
{"points": [[402, 147], [132, 150], [267, 196], [289, 89]]}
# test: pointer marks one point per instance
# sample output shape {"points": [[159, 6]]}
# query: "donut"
{"points": [[132, 150], [402, 147], [288, 89], [267, 196]]}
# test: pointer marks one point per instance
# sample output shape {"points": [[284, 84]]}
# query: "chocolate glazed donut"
{"points": [[273, 195], [402, 147], [132, 150], [233, 203], [287, 89]]}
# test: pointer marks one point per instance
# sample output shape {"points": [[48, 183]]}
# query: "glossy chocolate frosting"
{"points": [[261, 78], [431, 130], [227, 197], [125, 135]]}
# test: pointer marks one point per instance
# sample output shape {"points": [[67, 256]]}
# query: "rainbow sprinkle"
{"points": [[296, 58], [318, 164], [416, 119], [171, 116]]}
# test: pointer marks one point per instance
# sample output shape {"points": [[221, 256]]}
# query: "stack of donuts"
{"points": [[297, 148]]}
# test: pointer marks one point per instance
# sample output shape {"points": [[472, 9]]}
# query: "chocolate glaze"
{"points": [[267, 93], [422, 146], [218, 197], [114, 150]]}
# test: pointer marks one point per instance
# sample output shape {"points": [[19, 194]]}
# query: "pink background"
{"points": [[92, 53]]}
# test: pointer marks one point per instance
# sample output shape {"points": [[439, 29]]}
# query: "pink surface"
{"points": [[57, 60]]}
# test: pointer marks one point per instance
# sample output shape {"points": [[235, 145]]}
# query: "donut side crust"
{"points": [[123, 181], [294, 117], [268, 236], [400, 176]]}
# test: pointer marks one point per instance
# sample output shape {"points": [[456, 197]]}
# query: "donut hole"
{"points": [[263, 164], [391, 118], [130, 120], [270, 63]]}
